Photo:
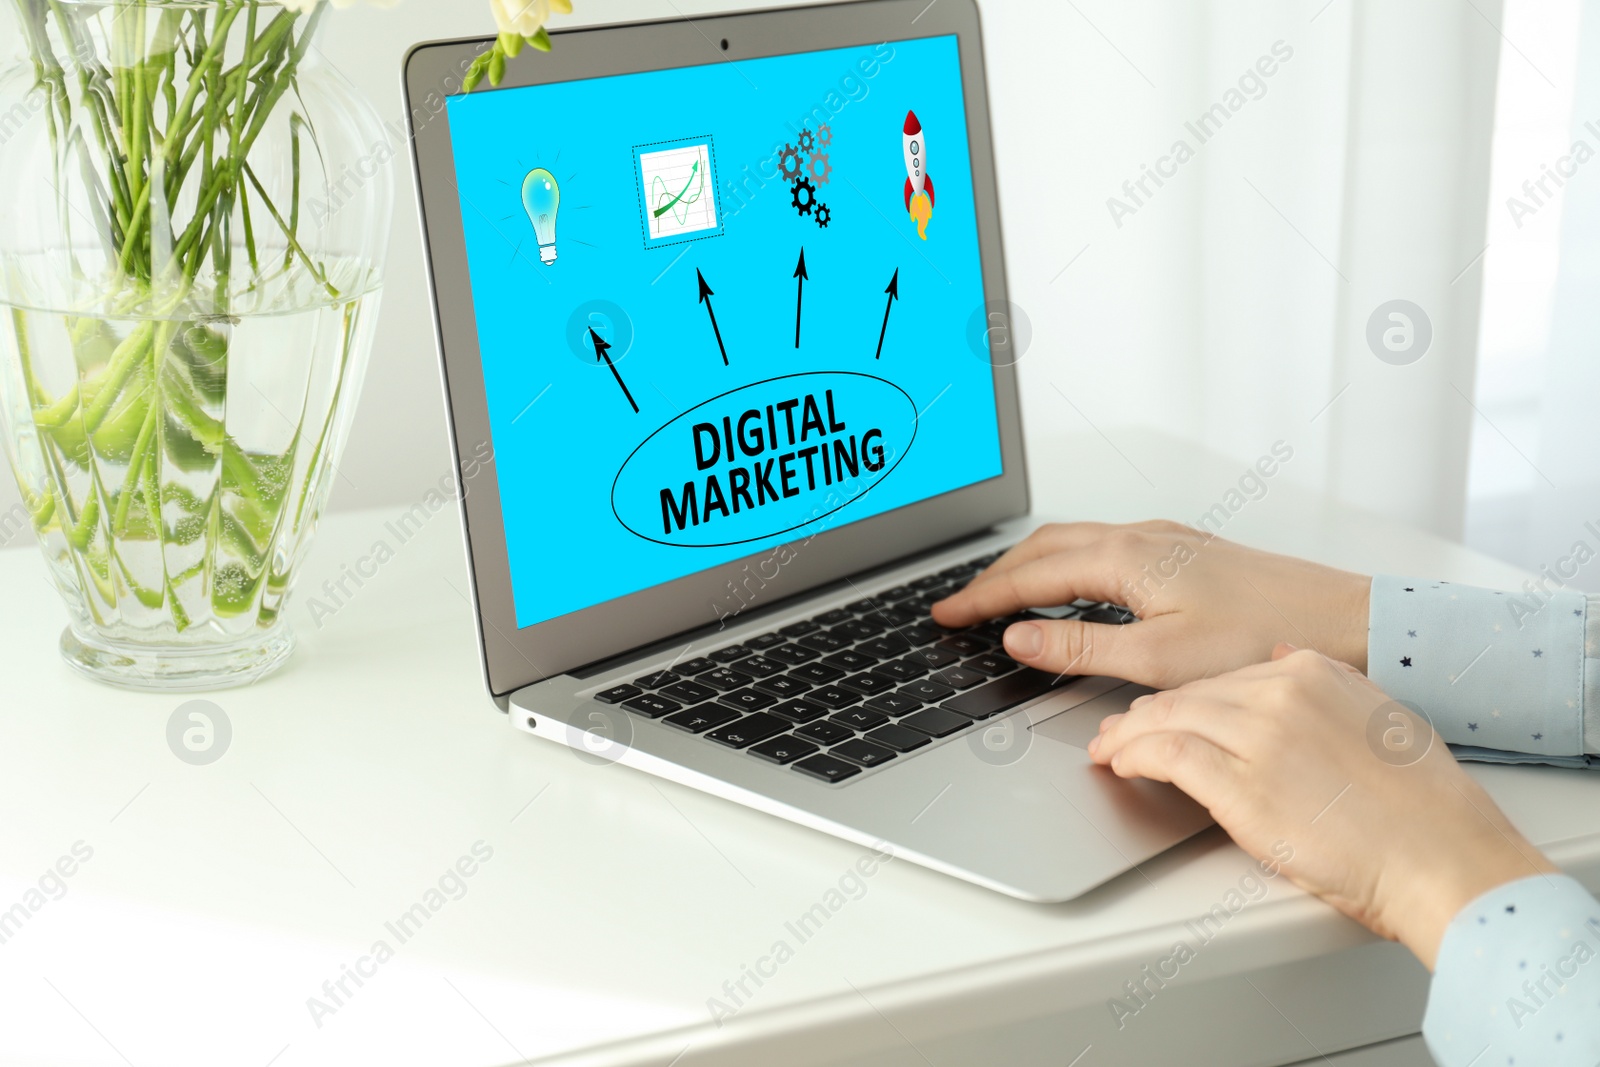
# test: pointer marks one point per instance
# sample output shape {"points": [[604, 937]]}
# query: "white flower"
{"points": [[526, 17]]}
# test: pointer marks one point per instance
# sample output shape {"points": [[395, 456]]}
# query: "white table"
{"points": [[219, 898]]}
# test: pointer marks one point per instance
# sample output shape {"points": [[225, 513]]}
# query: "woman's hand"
{"points": [[1205, 605], [1303, 751]]}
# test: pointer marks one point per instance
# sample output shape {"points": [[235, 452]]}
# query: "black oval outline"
{"points": [[739, 389]]}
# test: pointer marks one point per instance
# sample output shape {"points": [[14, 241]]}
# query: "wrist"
{"points": [[1353, 613], [1429, 897]]}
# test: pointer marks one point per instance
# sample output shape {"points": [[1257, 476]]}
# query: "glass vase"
{"points": [[191, 254]]}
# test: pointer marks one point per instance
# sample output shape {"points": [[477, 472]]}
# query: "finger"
{"points": [[1068, 646], [1060, 578], [1191, 763], [1282, 649], [1226, 725]]}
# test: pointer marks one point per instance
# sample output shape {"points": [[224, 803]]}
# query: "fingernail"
{"points": [[1025, 640], [1147, 698], [1094, 744]]}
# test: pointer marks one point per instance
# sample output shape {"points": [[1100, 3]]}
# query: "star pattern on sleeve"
{"points": [[1416, 640]]}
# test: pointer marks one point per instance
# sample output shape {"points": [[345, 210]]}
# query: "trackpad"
{"points": [[1077, 725]]}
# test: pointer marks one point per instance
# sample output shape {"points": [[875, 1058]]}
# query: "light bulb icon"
{"points": [[541, 198]]}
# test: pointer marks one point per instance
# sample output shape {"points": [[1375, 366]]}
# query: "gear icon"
{"points": [[789, 163], [825, 135], [823, 215], [804, 203], [808, 141], [821, 169]]}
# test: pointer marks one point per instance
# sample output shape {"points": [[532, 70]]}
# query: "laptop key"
{"points": [[901, 670], [894, 616], [689, 692], [799, 629], [617, 694], [860, 719], [748, 730], [827, 768], [656, 680], [1113, 616], [932, 657], [857, 630], [893, 704], [863, 752], [936, 722], [886, 647], [793, 654], [748, 700], [850, 660], [868, 684], [827, 732], [782, 686], [694, 666], [1003, 693], [927, 691], [652, 706], [862, 606], [959, 677], [991, 664], [731, 654], [725, 679], [761, 666], [926, 582], [923, 633], [817, 673], [899, 592], [785, 749], [825, 642], [800, 711], [834, 617], [699, 720], [898, 738], [764, 641], [831, 696], [967, 644]]}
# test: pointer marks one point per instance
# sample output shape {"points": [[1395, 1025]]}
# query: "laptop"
{"points": [[721, 310]]}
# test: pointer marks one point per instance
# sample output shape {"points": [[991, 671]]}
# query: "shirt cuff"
{"points": [[1491, 670], [1517, 979]]}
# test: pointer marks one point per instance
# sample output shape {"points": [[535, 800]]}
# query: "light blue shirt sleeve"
{"points": [[1503, 677], [1517, 980]]}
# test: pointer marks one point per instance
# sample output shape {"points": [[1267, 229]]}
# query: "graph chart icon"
{"points": [[677, 192]]}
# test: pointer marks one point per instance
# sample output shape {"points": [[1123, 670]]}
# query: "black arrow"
{"points": [[800, 294], [894, 294], [602, 350], [705, 295]]}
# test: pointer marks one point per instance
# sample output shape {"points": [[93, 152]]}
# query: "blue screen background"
{"points": [[562, 429]]}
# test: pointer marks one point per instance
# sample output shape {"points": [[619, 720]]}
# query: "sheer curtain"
{"points": [[1535, 479], [1231, 304]]}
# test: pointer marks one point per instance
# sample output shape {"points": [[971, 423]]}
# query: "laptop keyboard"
{"points": [[852, 688]]}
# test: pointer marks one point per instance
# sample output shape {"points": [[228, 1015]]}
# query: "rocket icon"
{"points": [[916, 150]]}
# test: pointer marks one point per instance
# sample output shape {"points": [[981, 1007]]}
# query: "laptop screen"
{"points": [[722, 309]]}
